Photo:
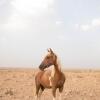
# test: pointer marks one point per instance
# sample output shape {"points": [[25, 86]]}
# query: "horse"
{"points": [[53, 79]]}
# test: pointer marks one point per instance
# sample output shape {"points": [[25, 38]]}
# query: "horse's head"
{"points": [[50, 59]]}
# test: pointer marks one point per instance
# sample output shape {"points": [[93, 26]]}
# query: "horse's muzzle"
{"points": [[41, 67]]}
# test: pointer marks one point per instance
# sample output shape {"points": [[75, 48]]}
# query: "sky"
{"points": [[70, 27]]}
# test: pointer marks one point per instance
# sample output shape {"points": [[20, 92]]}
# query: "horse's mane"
{"points": [[59, 63]]}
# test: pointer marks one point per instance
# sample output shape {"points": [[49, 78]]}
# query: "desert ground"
{"points": [[18, 84]]}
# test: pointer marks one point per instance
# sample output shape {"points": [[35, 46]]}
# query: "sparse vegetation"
{"points": [[19, 85]]}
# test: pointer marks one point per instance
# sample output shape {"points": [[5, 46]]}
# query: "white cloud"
{"points": [[25, 12], [3, 40], [76, 26], [2, 2], [15, 22], [94, 24], [85, 27], [32, 6], [59, 22], [61, 37]]}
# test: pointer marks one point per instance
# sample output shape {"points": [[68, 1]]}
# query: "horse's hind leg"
{"points": [[60, 90]]}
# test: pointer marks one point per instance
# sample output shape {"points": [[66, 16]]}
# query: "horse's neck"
{"points": [[55, 68], [52, 71]]}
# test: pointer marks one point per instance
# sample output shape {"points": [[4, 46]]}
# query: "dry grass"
{"points": [[18, 84]]}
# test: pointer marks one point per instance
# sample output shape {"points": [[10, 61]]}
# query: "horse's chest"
{"points": [[58, 80]]}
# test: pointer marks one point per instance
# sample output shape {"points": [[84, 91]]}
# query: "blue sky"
{"points": [[70, 27]]}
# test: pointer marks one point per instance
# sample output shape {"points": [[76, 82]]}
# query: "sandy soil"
{"points": [[18, 84]]}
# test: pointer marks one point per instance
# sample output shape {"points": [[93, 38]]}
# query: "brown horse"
{"points": [[49, 78]]}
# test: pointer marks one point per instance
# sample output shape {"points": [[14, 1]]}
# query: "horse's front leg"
{"points": [[41, 91], [54, 93], [37, 92]]}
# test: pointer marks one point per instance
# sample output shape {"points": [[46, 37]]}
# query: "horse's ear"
{"points": [[51, 50], [48, 50]]}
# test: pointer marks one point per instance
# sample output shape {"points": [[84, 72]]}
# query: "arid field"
{"points": [[18, 84]]}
